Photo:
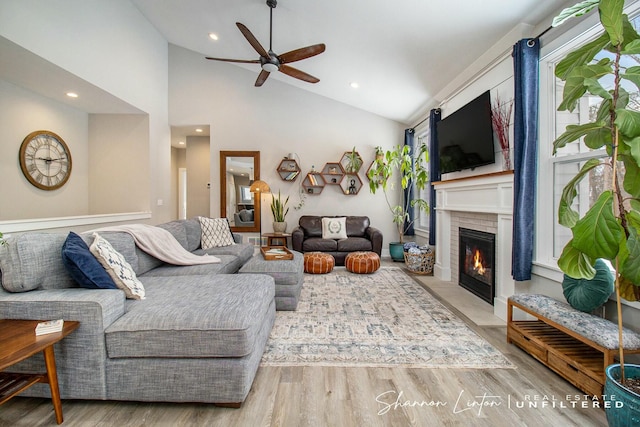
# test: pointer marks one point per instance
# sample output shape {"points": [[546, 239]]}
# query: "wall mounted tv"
{"points": [[465, 137]]}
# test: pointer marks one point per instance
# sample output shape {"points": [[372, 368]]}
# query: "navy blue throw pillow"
{"points": [[83, 267]]}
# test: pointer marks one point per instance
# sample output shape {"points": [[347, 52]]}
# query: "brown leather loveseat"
{"points": [[307, 237]]}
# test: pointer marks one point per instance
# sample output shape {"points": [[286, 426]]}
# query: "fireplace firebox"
{"points": [[476, 265]]}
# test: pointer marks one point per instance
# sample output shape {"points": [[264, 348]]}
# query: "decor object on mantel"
{"points": [[2, 241], [501, 120], [610, 228], [269, 61], [279, 210], [412, 171]]}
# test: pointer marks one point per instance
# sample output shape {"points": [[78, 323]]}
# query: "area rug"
{"points": [[384, 319]]}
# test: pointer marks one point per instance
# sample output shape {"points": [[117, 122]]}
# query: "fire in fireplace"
{"points": [[476, 263]]}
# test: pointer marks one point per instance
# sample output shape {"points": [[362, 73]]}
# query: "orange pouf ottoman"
{"points": [[318, 263], [362, 262]]}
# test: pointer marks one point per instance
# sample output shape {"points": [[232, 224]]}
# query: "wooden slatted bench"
{"points": [[576, 345]]}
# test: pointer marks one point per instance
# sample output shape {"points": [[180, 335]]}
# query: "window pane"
{"points": [[589, 190], [422, 217]]}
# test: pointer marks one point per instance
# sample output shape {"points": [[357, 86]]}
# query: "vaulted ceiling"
{"points": [[401, 53]]}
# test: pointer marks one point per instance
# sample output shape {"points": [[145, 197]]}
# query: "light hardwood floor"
{"points": [[530, 395]]}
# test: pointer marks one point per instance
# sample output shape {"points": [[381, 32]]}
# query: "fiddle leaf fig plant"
{"points": [[610, 228], [412, 170]]}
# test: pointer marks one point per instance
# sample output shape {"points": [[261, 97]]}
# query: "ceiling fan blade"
{"points": [[252, 40], [261, 78], [293, 72], [245, 61], [302, 53]]}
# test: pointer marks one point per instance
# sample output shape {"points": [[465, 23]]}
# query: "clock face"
{"points": [[45, 160]]}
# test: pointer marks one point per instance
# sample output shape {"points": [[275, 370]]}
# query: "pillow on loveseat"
{"points": [[334, 228], [215, 232], [83, 266], [117, 267]]}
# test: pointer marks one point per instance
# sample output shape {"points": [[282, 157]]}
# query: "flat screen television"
{"points": [[465, 137]]}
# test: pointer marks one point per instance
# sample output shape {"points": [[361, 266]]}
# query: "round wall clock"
{"points": [[45, 160]]}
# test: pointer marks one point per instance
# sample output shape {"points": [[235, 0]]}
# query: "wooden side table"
{"points": [[18, 341], [277, 239]]}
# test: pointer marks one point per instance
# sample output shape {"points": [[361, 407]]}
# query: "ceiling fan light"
{"points": [[269, 67]]}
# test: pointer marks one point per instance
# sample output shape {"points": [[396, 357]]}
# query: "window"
{"points": [[554, 172], [422, 217]]}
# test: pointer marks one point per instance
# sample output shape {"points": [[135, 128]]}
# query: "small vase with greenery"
{"points": [[610, 229], [279, 210], [2, 241], [399, 164]]}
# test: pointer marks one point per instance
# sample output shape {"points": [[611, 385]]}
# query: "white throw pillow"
{"points": [[215, 233], [117, 267], [334, 228]]}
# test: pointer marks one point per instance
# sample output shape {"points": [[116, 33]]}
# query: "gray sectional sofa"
{"points": [[198, 336]]}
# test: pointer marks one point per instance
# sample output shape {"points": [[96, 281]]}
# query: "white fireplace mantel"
{"points": [[490, 194]]}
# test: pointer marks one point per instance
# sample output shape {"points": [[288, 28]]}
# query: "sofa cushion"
{"points": [[117, 267], [227, 264], [83, 266], [319, 244], [197, 316], [194, 233], [334, 228], [34, 261], [357, 226], [176, 228], [215, 232], [243, 251], [354, 244]]}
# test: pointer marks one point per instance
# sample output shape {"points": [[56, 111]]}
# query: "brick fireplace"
{"points": [[481, 203]]}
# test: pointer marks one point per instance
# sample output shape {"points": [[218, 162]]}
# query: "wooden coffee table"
{"points": [[18, 341]]}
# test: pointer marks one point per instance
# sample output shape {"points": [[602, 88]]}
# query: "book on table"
{"points": [[49, 327]]}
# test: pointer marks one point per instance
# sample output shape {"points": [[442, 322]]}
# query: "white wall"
{"points": [[278, 119], [119, 163], [22, 112], [111, 45], [197, 164]]}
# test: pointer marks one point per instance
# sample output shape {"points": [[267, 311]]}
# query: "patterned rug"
{"points": [[384, 319]]}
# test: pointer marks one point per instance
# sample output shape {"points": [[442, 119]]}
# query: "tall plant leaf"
{"points": [[628, 122], [576, 10], [598, 233], [575, 263], [611, 19], [575, 132], [631, 266], [567, 216], [631, 181], [580, 56]]}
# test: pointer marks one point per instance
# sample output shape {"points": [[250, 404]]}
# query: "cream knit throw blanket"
{"points": [[161, 244]]}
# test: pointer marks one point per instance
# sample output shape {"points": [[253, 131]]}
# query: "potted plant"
{"points": [[2, 241], [353, 161], [610, 228], [279, 210], [399, 164]]}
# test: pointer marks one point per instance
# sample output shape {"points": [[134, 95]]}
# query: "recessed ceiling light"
{"points": [[198, 130], [354, 85], [181, 142], [72, 94], [213, 36]]}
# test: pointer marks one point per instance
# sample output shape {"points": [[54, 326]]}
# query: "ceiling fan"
{"points": [[271, 62]]}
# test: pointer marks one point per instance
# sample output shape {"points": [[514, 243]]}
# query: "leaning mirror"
{"points": [[238, 170]]}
